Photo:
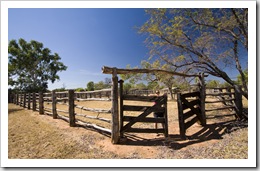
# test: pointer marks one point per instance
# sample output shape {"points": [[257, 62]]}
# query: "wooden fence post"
{"points": [[202, 99], [54, 111], [115, 118], [29, 101], [180, 116], [17, 98], [41, 101], [24, 100], [71, 108], [121, 84], [238, 102], [166, 116], [34, 102]]}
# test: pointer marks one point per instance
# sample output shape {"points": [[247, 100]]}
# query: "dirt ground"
{"points": [[40, 136]]}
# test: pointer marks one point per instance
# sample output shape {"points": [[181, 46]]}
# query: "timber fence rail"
{"points": [[69, 106], [229, 99]]}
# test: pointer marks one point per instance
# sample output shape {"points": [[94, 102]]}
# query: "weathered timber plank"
{"points": [[188, 114], [94, 117], [93, 99], [148, 120], [191, 122], [142, 108], [140, 98], [220, 108], [94, 109], [219, 94], [220, 116], [93, 126], [191, 103], [220, 101], [109, 70]]}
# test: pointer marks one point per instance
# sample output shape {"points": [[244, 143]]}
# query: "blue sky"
{"points": [[85, 39]]}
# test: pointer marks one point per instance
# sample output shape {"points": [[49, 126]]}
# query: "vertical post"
{"points": [[17, 99], [115, 118], [34, 102], [180, 116], [165, 116], [41, 107], [54, 101], [202, 99], [24, 100], [29, 101], [71, 108], [121, 121], [238, 102]]}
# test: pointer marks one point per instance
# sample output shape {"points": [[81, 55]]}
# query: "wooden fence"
{"points": [[41, 101], [230, 99]]}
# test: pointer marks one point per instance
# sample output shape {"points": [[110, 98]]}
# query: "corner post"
{"points": [[115, 117]]}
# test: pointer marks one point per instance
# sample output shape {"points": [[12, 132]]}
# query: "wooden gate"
{"points": [[159, 105], [191, 103]]}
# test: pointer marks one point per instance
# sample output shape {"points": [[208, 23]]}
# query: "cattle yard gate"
{"points": [[114, 120]]}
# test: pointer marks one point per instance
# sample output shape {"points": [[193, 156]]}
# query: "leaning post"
{"points": [[115, 117]]}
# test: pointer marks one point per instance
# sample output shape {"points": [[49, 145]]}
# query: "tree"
{"points": [[90, 86], [213, 84], [239, 77], [212, 41], [31, 66]]}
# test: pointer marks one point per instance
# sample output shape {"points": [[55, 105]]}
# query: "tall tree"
{"points": [[90, 86], [31, 66], [199, 40]]}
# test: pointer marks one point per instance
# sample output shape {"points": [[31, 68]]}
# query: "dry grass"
{"points": [[39, 136]]}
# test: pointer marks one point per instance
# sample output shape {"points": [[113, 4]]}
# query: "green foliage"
{"points": [[31, 66], [127, 86], [197, 40], [213, 84], [90, 86], [140, 86], [101, 85], [153, 85], [79, 89], [239, 77]]}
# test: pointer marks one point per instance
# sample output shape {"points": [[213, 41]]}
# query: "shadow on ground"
{"points": [[174, 141], [13, 110]]}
